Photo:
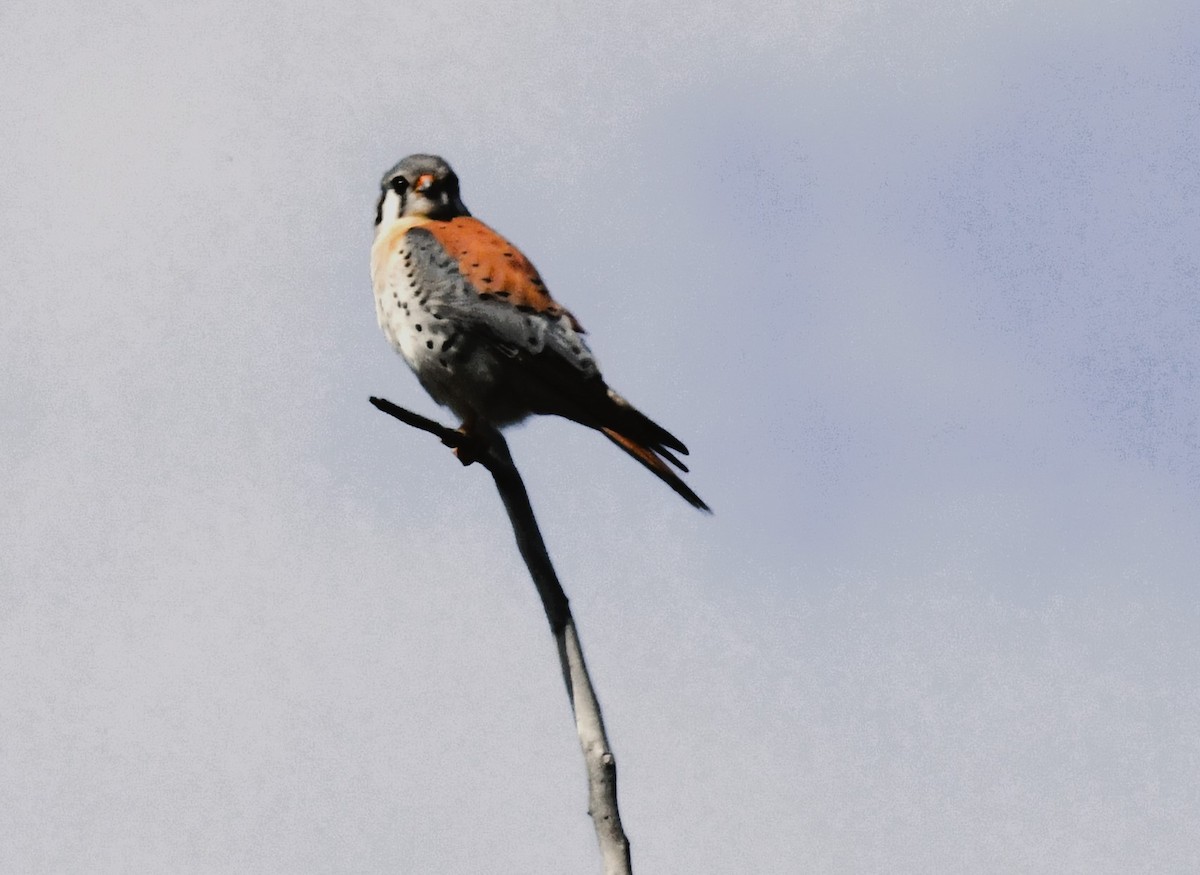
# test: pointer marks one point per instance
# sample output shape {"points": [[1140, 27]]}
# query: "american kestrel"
{"points": [[472, 317]]}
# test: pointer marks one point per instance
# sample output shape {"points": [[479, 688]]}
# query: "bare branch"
{"points": [[589, 724], [450, 437]]}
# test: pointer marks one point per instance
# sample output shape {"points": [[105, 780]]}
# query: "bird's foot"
{"points": [[469, 447]]}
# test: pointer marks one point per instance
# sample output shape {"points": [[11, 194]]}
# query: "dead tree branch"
{"points": [[598, 757]]}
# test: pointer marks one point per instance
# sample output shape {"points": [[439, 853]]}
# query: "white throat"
{"points": [[389, 210]]}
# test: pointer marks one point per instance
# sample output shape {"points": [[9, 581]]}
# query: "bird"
{"points": [[472, 317]]}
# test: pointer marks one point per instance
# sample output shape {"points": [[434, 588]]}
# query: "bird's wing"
{"points": [[497, 269], [475, 277]]}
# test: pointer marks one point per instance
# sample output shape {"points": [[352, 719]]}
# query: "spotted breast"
{"points": [[466, 310]]}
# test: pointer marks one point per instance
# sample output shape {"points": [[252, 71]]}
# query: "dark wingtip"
{"points": [[653, 458], [681, 489], [670, 457], [690, 497]]}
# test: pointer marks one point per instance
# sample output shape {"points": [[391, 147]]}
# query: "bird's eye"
{"points": [[399, 185]]}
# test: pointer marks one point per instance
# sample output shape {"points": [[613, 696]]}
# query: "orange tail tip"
{"points": [[652, 460]]}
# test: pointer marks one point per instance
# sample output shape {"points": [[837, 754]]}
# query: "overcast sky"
{"points": [[915, 281]]}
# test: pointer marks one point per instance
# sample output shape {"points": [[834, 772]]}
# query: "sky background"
{"points": [[917, 282]]}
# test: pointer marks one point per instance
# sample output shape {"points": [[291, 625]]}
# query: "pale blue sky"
{"points": [[916, 282]]}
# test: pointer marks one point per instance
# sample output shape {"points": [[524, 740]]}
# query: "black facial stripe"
{"points": [[402, 192]]}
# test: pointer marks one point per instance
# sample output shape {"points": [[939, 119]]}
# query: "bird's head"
{"points": [[420, 186]]}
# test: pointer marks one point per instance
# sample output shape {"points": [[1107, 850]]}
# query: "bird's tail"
{"points": [[652, 456]]}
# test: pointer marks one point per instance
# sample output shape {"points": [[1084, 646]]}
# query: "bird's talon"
{"points": [[467, 447]]}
